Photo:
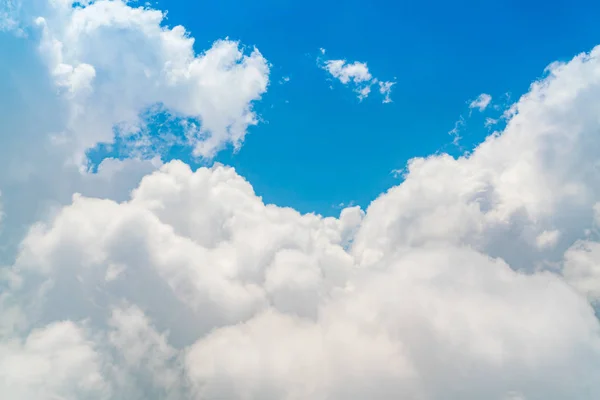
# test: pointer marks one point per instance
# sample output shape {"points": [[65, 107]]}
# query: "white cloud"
{"points": [[9, 11], [364, 92], [489, 122], [357, 75], [81, 73], [481, 102], [527, 195], [471, 279], [455, 132], [264, 302], [143, 349], [56, 361], [385, 88], [547, 238], [357, 72], [112, 61], [582, 268]]}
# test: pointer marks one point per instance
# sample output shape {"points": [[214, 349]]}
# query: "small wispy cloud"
{"points": [[398, 172], [481, 102], [364, 92], [455, 132], [385, 88], [357, 75], [489, 122]]}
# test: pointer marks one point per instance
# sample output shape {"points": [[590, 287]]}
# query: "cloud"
{"points": [[481, 102], [385, 88], [547, 238], [533, 182], [97, 73], [51, 362], [473, 278], [241, 298], [105, 81], [581, 268], [489, 122], [455, 132], [357, 72], [357, 75]]}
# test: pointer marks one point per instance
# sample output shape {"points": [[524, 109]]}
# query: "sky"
{"points": [[442, 55], [283, 200]]}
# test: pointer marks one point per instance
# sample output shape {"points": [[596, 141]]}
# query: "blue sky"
{"points": [[318, 147]]}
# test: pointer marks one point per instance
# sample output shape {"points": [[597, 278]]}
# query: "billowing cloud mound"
{"points": [[475, 278], [195, 288]]}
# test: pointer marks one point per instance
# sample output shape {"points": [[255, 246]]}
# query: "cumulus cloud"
{"points": [[356, 74], [51, 362], [473, 278], [235, 297], [582, 268], [111, 61], [151, 64], [85, 74]]}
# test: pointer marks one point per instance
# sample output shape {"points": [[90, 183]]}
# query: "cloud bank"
{"points": [[473, 278]]}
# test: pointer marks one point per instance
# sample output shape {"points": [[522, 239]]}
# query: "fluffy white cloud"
{"points": [[471, 279], [539, 174], [240, 298], [357, 72], [85, 73], [357, 75], [582, 268], [112, 61], [56, 361]]}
